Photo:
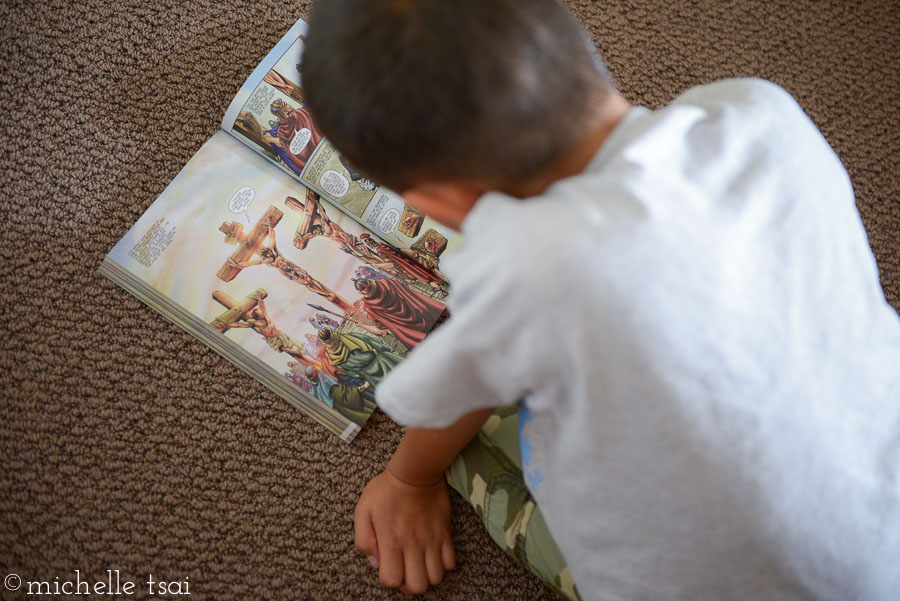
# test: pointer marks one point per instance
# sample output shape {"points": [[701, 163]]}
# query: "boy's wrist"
{"points": [[418, 481], [425, 453]]}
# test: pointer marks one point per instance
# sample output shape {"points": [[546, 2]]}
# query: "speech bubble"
{"points": [[300, 140], [241, 200], [334, 183], [389, 221]]}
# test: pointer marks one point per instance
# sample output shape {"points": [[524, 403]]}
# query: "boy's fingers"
{"points": [[364, 535], [390, 571], [415, 577], [448, 555], [434, 565]]}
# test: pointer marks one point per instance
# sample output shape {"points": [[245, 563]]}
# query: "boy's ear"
{"points": [[445, 202]]}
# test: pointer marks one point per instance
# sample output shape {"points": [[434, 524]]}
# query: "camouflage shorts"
{"points": [[488, 473]]}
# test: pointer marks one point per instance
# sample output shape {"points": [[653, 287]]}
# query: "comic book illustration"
{"points": [[329, 171], [269, 115], [410, 222], [279, 125], [432, 242], [428, 249], [280, 283]]}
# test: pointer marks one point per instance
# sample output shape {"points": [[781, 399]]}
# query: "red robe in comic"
{"points": [[287, 129], [408, 314]]}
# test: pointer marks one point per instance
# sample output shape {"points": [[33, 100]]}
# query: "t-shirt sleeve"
{"points": [[480, 357]]}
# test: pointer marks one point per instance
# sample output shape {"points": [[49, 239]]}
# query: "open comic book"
{"points": [[273, 250], [268, 115]]}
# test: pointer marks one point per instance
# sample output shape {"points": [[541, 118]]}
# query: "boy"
{"points": [[684, 300]]}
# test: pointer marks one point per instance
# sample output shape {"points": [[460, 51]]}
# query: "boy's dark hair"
{"points": [[414, 90]]}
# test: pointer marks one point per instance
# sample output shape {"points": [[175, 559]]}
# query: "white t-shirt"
{"points": [[710, 370]]}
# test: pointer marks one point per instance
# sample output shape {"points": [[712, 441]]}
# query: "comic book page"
{"points": [[285, 286], [269, 116]]}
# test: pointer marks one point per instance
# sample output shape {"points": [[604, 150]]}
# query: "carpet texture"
{"points": [[127, 445]]}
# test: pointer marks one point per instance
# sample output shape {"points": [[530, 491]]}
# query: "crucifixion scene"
{"points": [[258, 247], [388, 301], [282, 283], [251, 313], [350, 320], [314, 222], [340, 369]]}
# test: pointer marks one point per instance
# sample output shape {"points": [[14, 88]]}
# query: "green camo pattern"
{"points": [[488, 473]]}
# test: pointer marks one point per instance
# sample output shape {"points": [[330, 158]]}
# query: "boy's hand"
{"points": [[402, 519], [405, 531]]}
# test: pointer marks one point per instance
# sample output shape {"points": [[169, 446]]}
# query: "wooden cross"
{"points": [[236, 311], [283, 84], [311, 214], [252, 244], [249, 245]]}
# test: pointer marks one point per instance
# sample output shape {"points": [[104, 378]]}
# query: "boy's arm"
{"points": [[402, 519], [425, 453]]}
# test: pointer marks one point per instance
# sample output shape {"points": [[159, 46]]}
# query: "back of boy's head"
{"points": [[410, 91]]}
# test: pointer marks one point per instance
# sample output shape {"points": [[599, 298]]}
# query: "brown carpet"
{"points": [[127, 445]]}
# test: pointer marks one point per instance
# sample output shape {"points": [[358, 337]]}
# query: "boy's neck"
{"points": [[608, 115]]}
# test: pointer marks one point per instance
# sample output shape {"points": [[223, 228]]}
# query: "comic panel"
{"points": [[410, 222], [275, 120], [291, 280], [329, 172], [289, 63], [269, 114]]}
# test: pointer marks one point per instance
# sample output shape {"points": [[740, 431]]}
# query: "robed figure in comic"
{"points": [[407, 314]]}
